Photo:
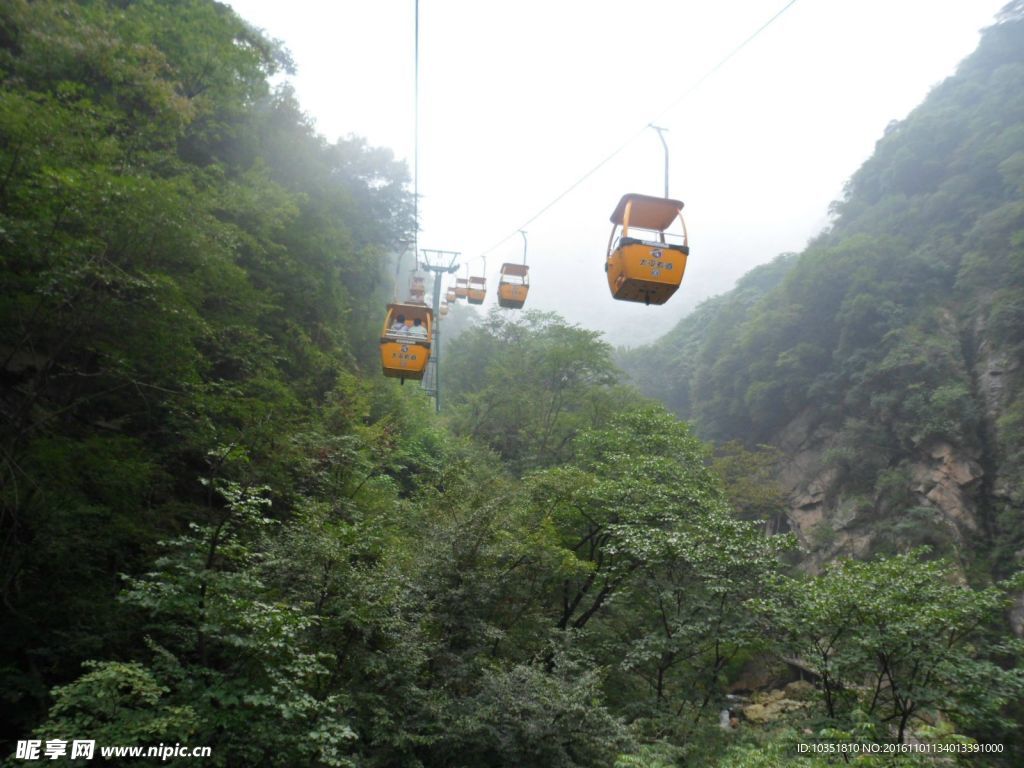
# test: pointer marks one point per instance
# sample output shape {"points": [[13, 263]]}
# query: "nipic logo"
{"points": [[30, 749]]}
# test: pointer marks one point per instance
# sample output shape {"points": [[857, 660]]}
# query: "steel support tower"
{"points": [[433, 262]]}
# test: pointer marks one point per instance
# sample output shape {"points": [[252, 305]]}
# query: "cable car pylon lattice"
{"points": [[433, 262]]}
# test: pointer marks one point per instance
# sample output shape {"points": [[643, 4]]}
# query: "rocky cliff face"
{"points": [[997, 377], [946, 481], [952, 487]]}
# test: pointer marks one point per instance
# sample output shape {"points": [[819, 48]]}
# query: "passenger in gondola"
{"points": [[399, 325], [417, 330]]}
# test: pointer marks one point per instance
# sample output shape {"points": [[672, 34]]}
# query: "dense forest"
{"points": [[220, 526]]}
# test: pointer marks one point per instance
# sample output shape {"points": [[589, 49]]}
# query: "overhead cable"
{"points": [[618, 150]]}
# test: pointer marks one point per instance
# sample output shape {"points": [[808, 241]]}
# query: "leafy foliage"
{"points": [[215, 529], [526, 386], [895, 642], [169, 286]]}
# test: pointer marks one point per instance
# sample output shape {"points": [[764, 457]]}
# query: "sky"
{"points": [[521, 102]]}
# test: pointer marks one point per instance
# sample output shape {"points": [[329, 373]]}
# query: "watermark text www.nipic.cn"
{"points": [[55, 749]]}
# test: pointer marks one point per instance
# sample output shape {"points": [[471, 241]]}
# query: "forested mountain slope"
{"points": [[190, 278], [885, 360]]}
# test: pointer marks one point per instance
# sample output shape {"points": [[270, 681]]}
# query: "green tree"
{"points": [[656, 571], [526, 385], [184, 264], [896, 642], [228, 664], [749, 480]]}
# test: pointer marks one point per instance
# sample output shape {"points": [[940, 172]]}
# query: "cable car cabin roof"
{"points": [[647, 212], [514, 269]]}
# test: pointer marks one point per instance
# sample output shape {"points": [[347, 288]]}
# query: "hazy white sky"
{"points": [[518, 100]]}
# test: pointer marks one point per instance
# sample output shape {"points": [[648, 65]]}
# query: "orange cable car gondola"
{"points": [[461, 287], [514, 283], [405, 340], [450, 296], [444, 308], [646, 270], [417, 289], [476, 291]]}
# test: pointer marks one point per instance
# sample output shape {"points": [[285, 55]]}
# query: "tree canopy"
{"points": [[220, 526]]}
